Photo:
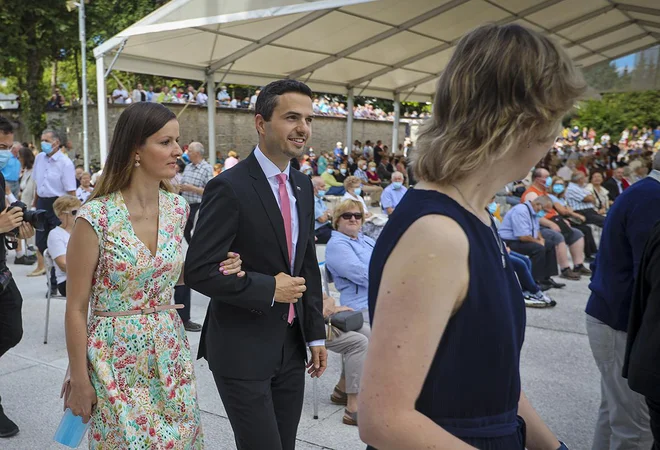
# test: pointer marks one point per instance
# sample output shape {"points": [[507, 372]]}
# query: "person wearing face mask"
{"points": [[65, 208], [342, 173], [372, 175], [334, 187], [374, 191], [353, 187], [322, 215], [55, 176], [521, 231], [393, 193]]}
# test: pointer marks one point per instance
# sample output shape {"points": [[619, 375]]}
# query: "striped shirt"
{"points": [[197, 175], [575, 196]]}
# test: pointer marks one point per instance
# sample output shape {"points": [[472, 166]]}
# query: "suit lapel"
{"points": [[303, 229], [265, 193]]}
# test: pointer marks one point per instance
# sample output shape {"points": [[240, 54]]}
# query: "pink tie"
{"points": [[285, 206]]}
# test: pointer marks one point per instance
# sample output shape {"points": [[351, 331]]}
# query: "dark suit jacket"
{"points": [[243, 334], [612, 188], [643, 347]]}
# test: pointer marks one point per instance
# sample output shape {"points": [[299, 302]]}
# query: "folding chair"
{"points": [[49, 264]]}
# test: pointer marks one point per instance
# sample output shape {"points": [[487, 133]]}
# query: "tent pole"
{"points": [[210, 84], [102, 107], [395, 125], [349, 121]]}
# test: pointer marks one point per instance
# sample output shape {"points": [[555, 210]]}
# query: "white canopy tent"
{"points": [[382, 48]]}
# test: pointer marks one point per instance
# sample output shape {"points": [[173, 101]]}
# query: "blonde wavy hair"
{"points": [[504, 87], [343, 207]]}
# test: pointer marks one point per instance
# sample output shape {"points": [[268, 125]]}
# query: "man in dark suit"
{"points": [[615, 185], [258, 326]]}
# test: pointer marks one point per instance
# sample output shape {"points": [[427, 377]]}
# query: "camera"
{"points": [[36, 218]]}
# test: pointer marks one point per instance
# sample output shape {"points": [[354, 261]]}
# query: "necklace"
{"points": [[498, 240]]}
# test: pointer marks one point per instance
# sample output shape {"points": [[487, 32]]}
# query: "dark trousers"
{"points": [[264, 414], [323, 234], [11, 320], [544, 258], [62, 288], [522, 265], [654, 413], [336, 190], [41, 237], [592, 217], [590, 247], [183, 293]]}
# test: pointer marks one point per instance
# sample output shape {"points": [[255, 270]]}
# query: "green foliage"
{"points": [[605, 77], [620, 110]]}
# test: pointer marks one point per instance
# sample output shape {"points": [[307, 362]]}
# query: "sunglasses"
{"points": [[73, 212], [347, 216]]}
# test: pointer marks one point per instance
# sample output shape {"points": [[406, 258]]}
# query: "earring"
{"points": [[137, 163]]}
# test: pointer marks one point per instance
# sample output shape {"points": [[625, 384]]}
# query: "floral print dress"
{"points": [[140, 365]]}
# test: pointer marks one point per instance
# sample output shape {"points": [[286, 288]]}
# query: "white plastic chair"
{"points": [[49, 264]]}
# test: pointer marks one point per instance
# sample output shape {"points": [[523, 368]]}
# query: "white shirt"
{"points": [[82, 194], [55, 175], [58, 239], [122, 99], [348, 196], [202, 98], [272, 171]]}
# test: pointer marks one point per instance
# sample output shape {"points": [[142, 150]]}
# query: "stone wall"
{"points": [[234, 128]]}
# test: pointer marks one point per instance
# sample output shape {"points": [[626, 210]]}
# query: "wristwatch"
{"points": [[562, 446]]}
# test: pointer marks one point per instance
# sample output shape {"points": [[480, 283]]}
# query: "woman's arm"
{"points": [[341, 260], [83, 254], [424, 280], [539, 436]]}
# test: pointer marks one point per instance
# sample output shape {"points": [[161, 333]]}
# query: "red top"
{"points": [[373, 176]]}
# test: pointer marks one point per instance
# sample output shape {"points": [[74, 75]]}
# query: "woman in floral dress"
{"points": [[131, 359]]}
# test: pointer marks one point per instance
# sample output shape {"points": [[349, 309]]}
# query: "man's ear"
{"points": [[260, 124]]}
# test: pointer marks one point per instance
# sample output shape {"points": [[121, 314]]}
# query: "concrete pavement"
{"points": [[558, 372]]}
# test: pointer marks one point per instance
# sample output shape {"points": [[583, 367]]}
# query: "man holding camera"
{"points": [[55, 176], [11, 321]]}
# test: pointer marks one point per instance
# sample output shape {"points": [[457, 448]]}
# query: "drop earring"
{"points": [[137, 163]]}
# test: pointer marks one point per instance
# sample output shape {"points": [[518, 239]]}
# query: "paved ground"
{"points": [[559, 377]]}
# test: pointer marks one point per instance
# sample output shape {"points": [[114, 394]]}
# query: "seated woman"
{"points": [[353, 186], [352, 346], [65, 208], [601, 194], [347, 255], [85, 189], [557, 195], [372, 175]]}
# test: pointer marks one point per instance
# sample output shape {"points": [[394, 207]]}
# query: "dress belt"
{"points": [[481, 427], [136, 312]]}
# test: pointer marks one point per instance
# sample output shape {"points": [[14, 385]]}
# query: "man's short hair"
{"points": [[538, 173], [397, 173], [6, 126], [56, 134], [542, 200], [317, 181], [577, 176], [196, 147], [268, 98]]}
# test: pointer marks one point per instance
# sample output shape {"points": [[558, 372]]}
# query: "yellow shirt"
{"points": [[330, 180]]}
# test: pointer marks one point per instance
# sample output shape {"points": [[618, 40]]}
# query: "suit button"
{"points": [[285, 317]]}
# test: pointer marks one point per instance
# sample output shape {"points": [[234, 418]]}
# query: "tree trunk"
{"points": [[33, 85], [53, 78]]}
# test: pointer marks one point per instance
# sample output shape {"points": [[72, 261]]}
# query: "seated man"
{"points": [[352, 346], [335, 187], [521, 231], [323, 216], [383, 172], [393, 193], [581, 200]]}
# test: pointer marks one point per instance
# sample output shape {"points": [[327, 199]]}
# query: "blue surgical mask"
{"points": [[492, 208], [4, 158], [330, 171], [397, 185], [558, 188], [548, 182], [373, 169], [46, 147], [358, 191], [343, 171], [541, 214], [321, 193]]}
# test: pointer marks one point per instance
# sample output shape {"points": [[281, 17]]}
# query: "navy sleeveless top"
{"points": [[473, 385]]}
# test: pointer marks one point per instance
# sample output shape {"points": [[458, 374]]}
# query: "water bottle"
{"points": [[71, 430]]}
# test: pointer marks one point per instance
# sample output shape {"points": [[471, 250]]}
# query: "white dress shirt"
{"points": [[272, 171], [55, 175]]}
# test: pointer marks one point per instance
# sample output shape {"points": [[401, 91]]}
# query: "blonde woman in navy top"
{"points": [[448, 317]]}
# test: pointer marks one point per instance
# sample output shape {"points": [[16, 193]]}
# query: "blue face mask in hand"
{"points": [[541, 214], [492, 208], [558, 188], [46, 147], [397, 185]]}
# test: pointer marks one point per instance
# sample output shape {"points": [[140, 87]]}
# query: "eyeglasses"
{"points": [[348, 215], [73, 212]]}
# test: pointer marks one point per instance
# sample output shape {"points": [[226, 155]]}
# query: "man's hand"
{"points": [[25, 231], [581, 217], [319, 361], [10, 218], [288, 289]]}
